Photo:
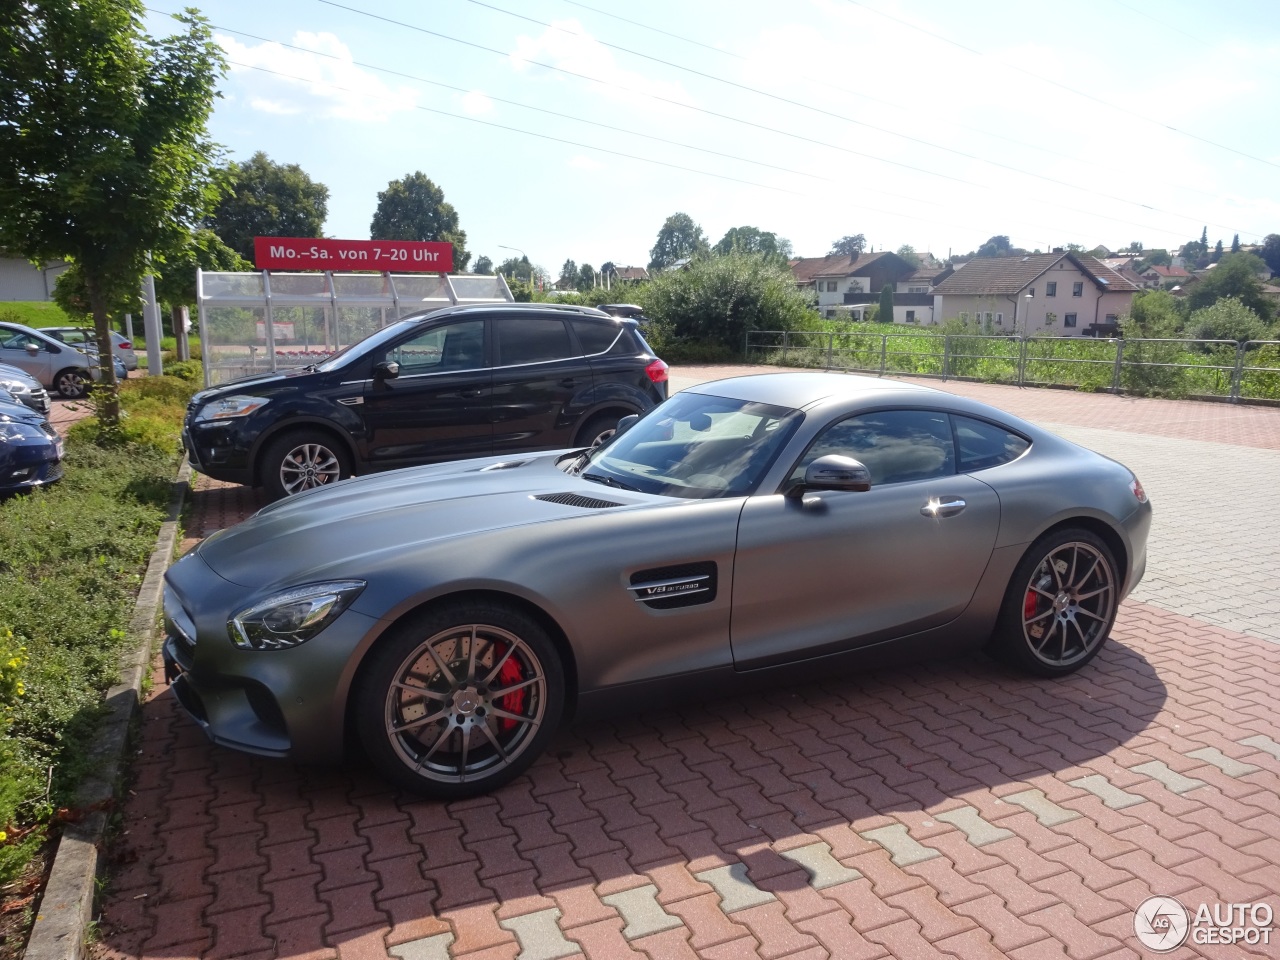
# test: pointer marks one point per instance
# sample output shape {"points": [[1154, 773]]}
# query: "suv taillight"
{"points": [[657, 371]]}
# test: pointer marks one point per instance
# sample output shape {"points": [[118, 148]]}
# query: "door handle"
{"points": [[942, 507], [569, 382], [476, 392]]}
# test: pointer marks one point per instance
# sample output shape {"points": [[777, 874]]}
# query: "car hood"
{"points": [[251, 385], [11, 409], [15, 375], [352, 523]]}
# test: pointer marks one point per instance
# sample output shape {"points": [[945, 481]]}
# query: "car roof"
{"points": [[504, 307], [800, 390]]}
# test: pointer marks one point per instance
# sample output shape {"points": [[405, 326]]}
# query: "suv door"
{"points": [[539, 377], [439, 406]]}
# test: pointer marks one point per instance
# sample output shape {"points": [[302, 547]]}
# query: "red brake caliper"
{"points": [[1029, 605], [511, 673]]}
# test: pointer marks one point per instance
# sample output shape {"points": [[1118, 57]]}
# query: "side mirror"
{"points": [[32, 350], [626, 423], [386, 370], [833, 472]]}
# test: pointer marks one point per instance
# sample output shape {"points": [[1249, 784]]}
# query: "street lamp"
{"points": [[1026, 321]]}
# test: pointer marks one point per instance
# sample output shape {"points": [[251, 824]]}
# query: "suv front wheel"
{"points": [[303, 460]]}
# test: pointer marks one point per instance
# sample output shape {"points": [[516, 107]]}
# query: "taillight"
{"points": [[1138, 492], [657, 371], [125, 346]]}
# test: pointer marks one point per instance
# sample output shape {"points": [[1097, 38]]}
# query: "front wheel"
{"points": [[302, 460], [1060, 605], [459, 700], [71, 384], [597, 430]]}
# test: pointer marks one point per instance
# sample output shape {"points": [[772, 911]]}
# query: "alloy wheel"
{"points": [[308, 465], [1068, 604]]}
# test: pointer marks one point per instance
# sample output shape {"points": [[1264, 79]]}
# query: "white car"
{"points": [[83, 336], [58, 366]]}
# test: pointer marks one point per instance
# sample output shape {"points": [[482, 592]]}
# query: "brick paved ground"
{"points": [[951, 809]]}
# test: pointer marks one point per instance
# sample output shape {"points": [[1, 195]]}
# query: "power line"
{"points": [[806, 139], [1063, 86]]}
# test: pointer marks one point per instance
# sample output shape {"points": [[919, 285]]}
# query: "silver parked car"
{"points": [[58, 366], [24, 388], [87, 339], [745, 531]]}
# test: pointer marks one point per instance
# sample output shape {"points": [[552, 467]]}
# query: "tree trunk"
{"points": [[107, 390]]}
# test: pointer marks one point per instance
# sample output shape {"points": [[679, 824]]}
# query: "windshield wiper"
{"points": [[609, 481]]}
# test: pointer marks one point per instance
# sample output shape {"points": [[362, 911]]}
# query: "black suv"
{"points": [[466, 381]]}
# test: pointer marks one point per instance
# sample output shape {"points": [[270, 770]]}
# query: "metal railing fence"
{"points": [[1221, 369]]}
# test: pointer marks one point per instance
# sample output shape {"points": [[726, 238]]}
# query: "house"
{"points": [[846, 285], [1158, 277], [1061, 294], [630, 273], [21, 279]]}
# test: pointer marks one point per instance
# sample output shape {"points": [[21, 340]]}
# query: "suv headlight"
{"points": [[13, 430], [229, 407], [292, 617]]}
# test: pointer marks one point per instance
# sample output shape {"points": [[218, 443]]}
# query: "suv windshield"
{"points": [[694, 446], [361, 347]]}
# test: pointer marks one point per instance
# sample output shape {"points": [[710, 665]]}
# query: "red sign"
{"points": [[395, 256]]}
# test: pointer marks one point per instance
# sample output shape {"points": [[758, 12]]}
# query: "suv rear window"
{"points": [[596, 336], [531, 340]]}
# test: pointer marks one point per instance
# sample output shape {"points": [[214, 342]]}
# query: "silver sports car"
{"points": [[448, 618]]}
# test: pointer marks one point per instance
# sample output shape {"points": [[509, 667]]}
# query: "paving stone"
{"points": [[903, 848], [1041, 807], [1104, 790], [639, 907], [978, 831], [823, 868], [539, 935], [1174, 781], [1264, 743], [736, 891], [428, 948]]}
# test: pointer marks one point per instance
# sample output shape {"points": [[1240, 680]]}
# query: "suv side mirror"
{"points": [[833, 472], [386, 370]]}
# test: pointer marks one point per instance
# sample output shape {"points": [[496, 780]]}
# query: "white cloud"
{"points": [[476, 103], [583, 162], [321, 78], [566, 45]]}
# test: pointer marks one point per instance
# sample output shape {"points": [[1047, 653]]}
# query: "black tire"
{"points": [[598, 429], [483, 719], [1060, 604], [71, 384], [302, 460]]}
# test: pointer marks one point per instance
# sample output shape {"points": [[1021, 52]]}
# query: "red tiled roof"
{"points": [[1006, 275], [1169, 273], [808, 269]]}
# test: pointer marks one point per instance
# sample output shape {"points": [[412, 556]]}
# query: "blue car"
{"points": [[30, 449]]}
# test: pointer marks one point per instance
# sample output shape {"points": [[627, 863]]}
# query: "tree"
{"points": [[1227, 319], [517, 269], [586, 277], [1135, 246], [679, 238], [104, 151], [568, 276], [1235, 243], [268, 199], [483, 265], [997, 246], [886, 303], [849, 246], [908, 253], [1271, 252], [747, 240], [414, 208], [1217, 252], [1157, 258], [1236, 275]]}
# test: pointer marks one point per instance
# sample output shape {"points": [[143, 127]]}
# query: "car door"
{"points": [[838, 570], [439, 406], [13, 351], [539, 375]]}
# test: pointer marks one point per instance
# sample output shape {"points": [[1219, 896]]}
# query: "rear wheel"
{"points": [[598, 429], [1060, 605], [460, 699], [71, 384], [302, 460]]}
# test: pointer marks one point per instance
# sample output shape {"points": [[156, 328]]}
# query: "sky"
{"points": [[571, 129]]}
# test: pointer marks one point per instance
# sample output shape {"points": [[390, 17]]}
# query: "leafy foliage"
{"points": [[1226, 319], [908, 253], [267, 199], [1271, 252], [679, 238], [849, 246], [885, 313], [751, 240], [1236, 275], [483, 265], [414, 208]]}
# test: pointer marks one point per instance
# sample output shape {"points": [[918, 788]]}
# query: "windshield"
{"points": [[694, 446], [347, 353]]}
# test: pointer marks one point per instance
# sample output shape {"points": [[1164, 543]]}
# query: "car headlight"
{"points": [[229, 407], [12, 430], [14, 386], [293, 616]]}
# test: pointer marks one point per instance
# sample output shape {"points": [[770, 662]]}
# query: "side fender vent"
{"points": [[576, 500], [682, 585]]}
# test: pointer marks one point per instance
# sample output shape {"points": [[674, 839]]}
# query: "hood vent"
{"points": [[576, 500]]}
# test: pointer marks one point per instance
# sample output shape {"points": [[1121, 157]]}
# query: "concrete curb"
{"points": [[66, 908]]}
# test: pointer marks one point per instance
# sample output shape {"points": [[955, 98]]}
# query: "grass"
{"points": [[72, 558], [35, 314]]}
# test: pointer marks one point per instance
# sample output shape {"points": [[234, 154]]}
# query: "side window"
{"points": [[531, 340], [451, 346], [897, 446], [19, 340], [984, 445], [596, 336]]}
